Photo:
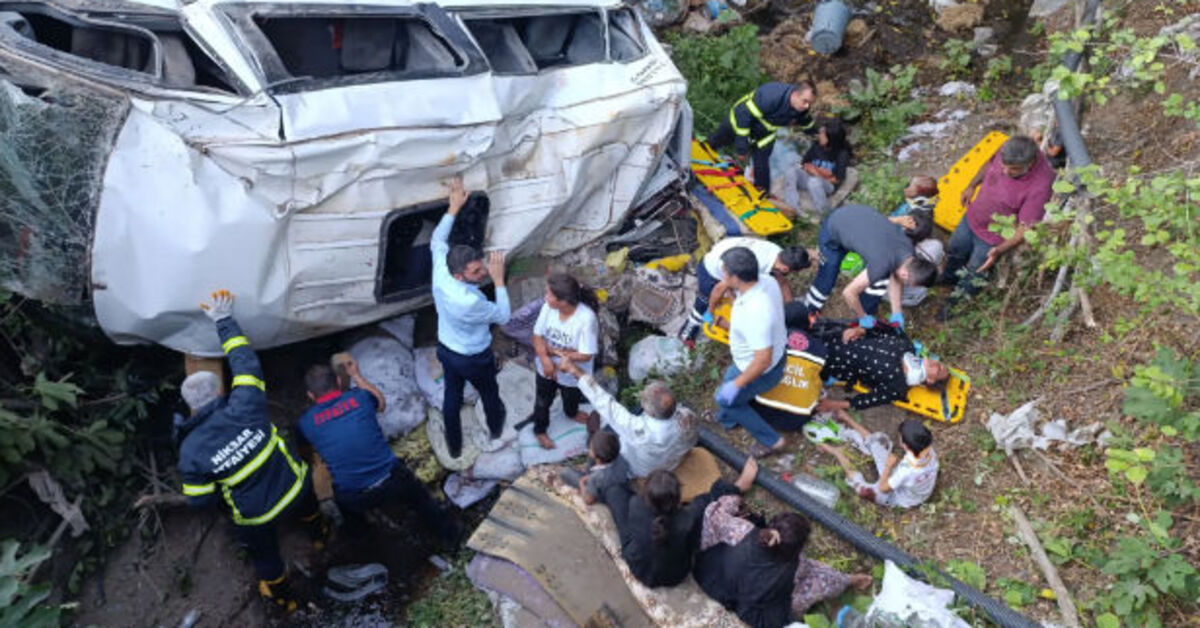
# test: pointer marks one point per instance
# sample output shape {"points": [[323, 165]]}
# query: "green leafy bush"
{"points": [[719, 70], [20, 602], [884, 106]]}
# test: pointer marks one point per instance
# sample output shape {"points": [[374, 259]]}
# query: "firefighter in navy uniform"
{"points": [[228, 447], [754, 119]]}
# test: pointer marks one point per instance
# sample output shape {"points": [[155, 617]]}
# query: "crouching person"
{"points": [[657, 438], [343, 428], [228, 446], [904, 481]]}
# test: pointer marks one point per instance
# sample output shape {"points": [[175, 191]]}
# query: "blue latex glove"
{"points": [[708, 318], [897, 319], [727, 392], [866, 322]]}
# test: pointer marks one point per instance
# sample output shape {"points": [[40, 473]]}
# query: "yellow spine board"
{"points": [[739, 196], [949, 209], [927, 402], [921, 399]]}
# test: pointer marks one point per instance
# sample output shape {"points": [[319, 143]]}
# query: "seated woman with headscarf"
{"points": [[756, 568]]}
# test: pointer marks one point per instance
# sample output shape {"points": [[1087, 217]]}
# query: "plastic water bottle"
{"points": [[816, 488], [850, 618]]}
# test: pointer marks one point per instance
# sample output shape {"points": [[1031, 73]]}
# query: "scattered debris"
{"points": [[388, 364], [957, 88], [464, 492], [955, 18], [904, 601], [1046, 8], [982, 42], [50, 492], [658, 355], [351, 583], [1016, 430]]}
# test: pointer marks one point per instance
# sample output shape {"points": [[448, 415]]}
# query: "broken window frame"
{"points": [[148, 25], [477, 203], [280, 81], [466, 15]]}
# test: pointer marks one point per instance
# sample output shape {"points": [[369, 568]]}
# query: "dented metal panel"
{"points": [[281, 195]]}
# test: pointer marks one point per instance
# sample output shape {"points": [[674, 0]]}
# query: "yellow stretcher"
{"points": [[949, 209], [739, 196], [803, 379]]}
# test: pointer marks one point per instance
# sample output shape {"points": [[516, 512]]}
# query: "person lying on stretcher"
{"points": [[882, 359]]}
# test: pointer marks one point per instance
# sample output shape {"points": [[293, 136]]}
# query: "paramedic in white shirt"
{"points": [[758, 343], [773, 260], [465, 317], [905, 481]]}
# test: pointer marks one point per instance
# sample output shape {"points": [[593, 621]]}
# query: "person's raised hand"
{"points": [[495, 267], [219, 305], [351, 367], [458, 196]]}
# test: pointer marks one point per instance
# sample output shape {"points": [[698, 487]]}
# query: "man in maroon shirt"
{"points": [[1017, 182]]}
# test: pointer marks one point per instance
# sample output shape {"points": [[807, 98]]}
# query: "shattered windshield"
{"points": [[53, 148]]}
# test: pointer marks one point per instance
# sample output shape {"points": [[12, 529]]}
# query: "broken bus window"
{"points": [[323, 47]]}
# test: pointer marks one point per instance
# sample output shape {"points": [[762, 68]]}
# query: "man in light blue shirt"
{"points": [[465, 317]]}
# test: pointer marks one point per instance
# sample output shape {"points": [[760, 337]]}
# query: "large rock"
{"points": [[1046, 8], [957, 18]]}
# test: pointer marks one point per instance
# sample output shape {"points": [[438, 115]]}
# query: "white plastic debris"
{"points": [[435, 429], [659, 355], [517, 388], [570, 439], [957, 88], [402, 328], [904, 601], [388, 364], [1017, 430], [502, 464], [464, 492]]}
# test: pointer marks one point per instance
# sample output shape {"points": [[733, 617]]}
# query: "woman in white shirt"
{"points": [[566, 329]]}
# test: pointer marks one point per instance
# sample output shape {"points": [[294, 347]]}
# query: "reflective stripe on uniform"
{"points": [[738, 130], [758, 115], [249, 380], [196, 490], [255, 463], [234, 343], [748, 100], [299, 468]]}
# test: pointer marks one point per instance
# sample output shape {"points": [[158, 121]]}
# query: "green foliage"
{"points": [[998, 71], [1164, 210], [880, 185], [1168, 478], [19, 600], [884, 104], [956, 57], [969, 572], [1017, 593], [1132, 464], [1166, 392], [719, 70], [1149, 571], [452, 600]]}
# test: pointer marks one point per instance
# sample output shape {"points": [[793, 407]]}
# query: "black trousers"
{"points": [[480, 370], [724, 136], [546, 389], [261, 541], [400, 485]]}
